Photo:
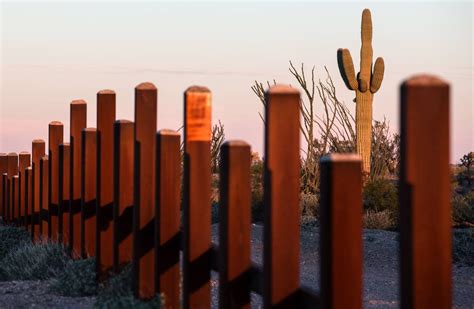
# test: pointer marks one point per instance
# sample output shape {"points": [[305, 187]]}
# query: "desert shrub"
{"points": [[30, 261], [11, 237], [463, 246], [309, 205], [381, 195], [463, 208], [257, 205], [381, 220], [117, 293], [78, 278]]}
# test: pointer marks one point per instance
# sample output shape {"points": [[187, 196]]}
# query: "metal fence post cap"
{"points": [[146, 86]]}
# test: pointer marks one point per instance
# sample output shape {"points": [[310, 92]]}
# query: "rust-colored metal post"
{"points": [[105, 164], [234, 225], [55, 137], [281, 197], [167, 219], [89, 192], [78, 121], [341, 231], [38, 151], [425, 211], [24, 161], [64, 173], [145, 152], [15, 181], [5, 196], [3, 169], [28, 195], [123, 192], [197, 198], [44, 184], [12, 170]]}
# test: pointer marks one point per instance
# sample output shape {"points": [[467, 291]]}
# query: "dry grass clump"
{"points": [[381, 220]]}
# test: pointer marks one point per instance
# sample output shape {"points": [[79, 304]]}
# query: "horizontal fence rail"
{"points": [[124, 192]]}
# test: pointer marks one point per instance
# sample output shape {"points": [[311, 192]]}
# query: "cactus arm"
{"points": [[365, 51], [377, 76], [346, 68]]}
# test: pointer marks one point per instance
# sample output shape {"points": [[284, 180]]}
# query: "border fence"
{"points": [[113, 192]]}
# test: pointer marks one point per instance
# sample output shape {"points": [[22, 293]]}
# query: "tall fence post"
{"points": [[341, 231], [78, 121], [144, 189], [234, 225], [12, 170], [28, 195], [64, 173], [4, 196], [24, 159], [425, 211], [123, 192], [55, 137], [38, 151], [105, 164], [197, 198], [167, 219], [3, 169], [89, 192], [15, 198], [44, 184], [281, 197]]}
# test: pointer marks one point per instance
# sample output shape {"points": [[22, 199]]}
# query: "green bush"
{"points": [[78, 278], [33, 261], [117, 293], [11, 237], [381, 195]]}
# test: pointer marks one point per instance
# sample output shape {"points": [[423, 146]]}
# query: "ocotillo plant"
{"points": [[366, 84]]}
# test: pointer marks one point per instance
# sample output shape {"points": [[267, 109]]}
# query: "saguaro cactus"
{"points": [[365, 85]]}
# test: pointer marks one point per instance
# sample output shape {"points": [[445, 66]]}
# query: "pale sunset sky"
{"points": [[55, 52]]}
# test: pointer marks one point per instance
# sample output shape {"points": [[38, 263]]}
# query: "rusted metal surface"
{"points": [[24, 159], [105, 144], [44, 184], [78, 121], [55, 137], [196, 193], [167, 219], [12, 170], [341, 231], [15, 183], [281, 197], [3, 169], [145, 143], [64, 187], [234, 225], [425, 211], [4, 196], [38, 151], [28, 196], [89, 192], [123, 192]]}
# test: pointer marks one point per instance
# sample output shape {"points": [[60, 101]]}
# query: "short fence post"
{"points": [[234, 225], [89, 192], [55, 137], [44, 184], [4, 196], [78, 121], [425, 211], [144, 190], [197, 198], [24, 159], [38, 151], [12, 170], [167, 219], [3, 169], [105, 147], [123, 192], [281, 197], [63, 214], [28, 195], [341, 231], [15, 198]]}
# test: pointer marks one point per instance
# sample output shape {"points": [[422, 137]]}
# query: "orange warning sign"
{"points": [[198, 115]]}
